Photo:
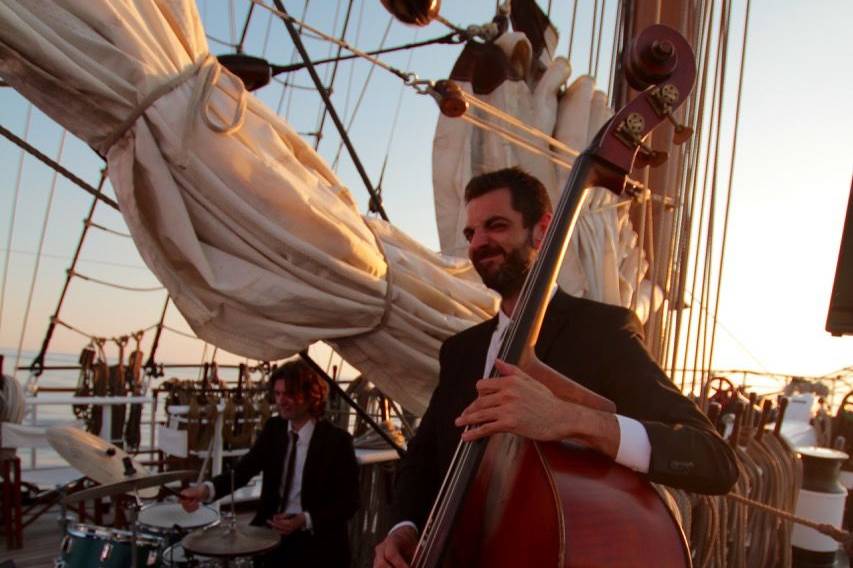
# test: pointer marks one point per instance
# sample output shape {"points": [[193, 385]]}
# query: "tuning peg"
{"points": [[682, 131], [647, 156]]}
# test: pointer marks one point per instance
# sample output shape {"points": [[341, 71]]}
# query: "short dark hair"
{"points": [[529, 196], [301, 380]]}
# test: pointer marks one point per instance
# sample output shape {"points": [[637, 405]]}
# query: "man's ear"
{"points": [[540, 228]]}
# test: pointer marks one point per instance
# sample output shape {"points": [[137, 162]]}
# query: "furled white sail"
{"points": [[604, 260], [260, 246]]}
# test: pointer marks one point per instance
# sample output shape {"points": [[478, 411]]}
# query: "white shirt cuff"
{"points": [[635, 450], [309, 526], [211, 491], [402, 524]]}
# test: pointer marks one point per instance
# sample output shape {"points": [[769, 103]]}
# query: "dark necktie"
{"points": [[288, 471]]}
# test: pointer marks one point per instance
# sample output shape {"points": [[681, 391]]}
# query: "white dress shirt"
{"points": [[293, 499], [294, 496], [635, 449]]}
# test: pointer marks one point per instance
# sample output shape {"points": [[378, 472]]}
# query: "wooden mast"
{"points": [[664, 181]]}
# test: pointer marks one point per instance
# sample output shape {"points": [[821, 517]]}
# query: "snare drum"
{"points": [[170, 522], [176, 556], [88, 545]]}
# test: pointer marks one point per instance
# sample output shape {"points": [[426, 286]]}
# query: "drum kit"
{"points": [[162, 534]]}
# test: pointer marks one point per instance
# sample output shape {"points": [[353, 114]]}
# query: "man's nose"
{"points": [[478, 239]]}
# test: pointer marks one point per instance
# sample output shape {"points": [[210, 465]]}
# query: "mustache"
{"points": [[486, 251]]}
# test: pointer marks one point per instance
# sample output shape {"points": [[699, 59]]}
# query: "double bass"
{"points": [[509, 501]]}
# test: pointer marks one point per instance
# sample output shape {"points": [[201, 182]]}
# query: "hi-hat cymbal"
{"points": [[96, 458], [136, 484], [227, 540]]}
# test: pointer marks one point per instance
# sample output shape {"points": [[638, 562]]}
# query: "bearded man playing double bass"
{"points": [[655, 430]]}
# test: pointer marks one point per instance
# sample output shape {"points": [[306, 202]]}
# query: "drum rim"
{"points": [[171, 505], [113, 536]]}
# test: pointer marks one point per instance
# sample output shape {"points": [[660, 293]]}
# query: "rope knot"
{"points": [[210, 69]]}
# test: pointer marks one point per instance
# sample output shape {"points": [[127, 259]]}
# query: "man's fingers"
{"points": [[505, 368], [394, 558], [387, 554], [474, 416], [483, 431]]}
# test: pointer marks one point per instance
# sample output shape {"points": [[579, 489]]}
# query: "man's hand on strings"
{"points": [[518, 404], [397, 549]]}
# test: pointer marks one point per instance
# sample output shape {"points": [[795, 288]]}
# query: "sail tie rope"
{"points": [[841, 536], [387, 300], [200, 102]]}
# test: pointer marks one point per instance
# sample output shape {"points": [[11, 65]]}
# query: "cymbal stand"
{"points": [[132, 515]]}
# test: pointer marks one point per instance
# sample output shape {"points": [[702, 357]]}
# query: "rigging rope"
{"points": [[408, 77], [685, 214], [179, 332], [34, 152], [245, 29], [361, 94], [38, 362], [592, 39], [14, 210], [510, 119], [517, 140], [377, 204], [555, 150], [90, 223], [705, 321], [731, 173], [294, 54], [615, 48], [40, 250], [351, 74], [231, 21], [694, 190], [266, 42], [113, 285], [324, 110], [572, 28], [839, 535], [90, 336], [394, 123], [598, 42]]}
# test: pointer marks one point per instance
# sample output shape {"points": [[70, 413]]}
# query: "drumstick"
{"points": [[206, 460]]}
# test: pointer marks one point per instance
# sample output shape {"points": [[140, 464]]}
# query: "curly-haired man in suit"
{"points": [[310, 475]]}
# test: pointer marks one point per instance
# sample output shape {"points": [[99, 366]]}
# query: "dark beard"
{"points": [[508, 279]]}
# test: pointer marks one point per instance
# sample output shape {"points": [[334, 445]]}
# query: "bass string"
{"points": [[535, 274], [451, 489]]}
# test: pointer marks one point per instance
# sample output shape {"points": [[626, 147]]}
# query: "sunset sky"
{"points": [[792, 179]]}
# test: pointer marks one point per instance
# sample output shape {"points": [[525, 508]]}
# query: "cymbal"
{"points": [[135, 483], [226, 539], [95, 457]]}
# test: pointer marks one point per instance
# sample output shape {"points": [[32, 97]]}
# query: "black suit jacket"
{"points": [[329, 484], [599, 346]]}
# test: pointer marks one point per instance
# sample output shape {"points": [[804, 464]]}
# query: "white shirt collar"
{"points": [[305, 432], [497, 336]]}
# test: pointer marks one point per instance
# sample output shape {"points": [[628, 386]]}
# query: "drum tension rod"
{"points": [[128, 466]]}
